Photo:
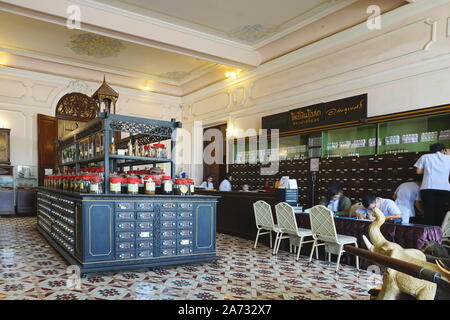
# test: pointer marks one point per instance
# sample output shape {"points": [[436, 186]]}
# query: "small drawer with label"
{"points": [[125, 216], [145, 206], [125, 206], [168, 243], [185, 224], [144, 254], [168, 234], [185, 214], [125, 235], [144, 225], [126, 255], [168, 215], [185, 206], [145, 215], [168, 252], [168, 205], [168, 224], [144, 244], [125, 226], [125, 246], [144, 234], [185, 233], [184, 242], [184, 251]]}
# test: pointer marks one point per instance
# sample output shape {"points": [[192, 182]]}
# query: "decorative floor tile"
{"points": [[33, 271]]}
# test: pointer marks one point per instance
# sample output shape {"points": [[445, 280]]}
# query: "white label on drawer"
{"points": [[144, 234], [184, 242]]}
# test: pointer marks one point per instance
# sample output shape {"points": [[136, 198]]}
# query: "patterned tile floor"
{"points": [[38, 272]]}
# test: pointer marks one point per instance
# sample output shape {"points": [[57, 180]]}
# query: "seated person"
{"points": [[337, 202], [225, 185], [245, 188], [208, 184], [390, 210]]}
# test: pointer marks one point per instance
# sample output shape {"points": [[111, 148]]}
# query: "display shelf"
{"points": [[85, 141], [135, 161]]}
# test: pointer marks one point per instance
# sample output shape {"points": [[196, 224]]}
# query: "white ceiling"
{"points": [[51, 42], [249, 22]]}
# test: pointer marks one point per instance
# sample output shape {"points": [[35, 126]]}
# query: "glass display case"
{"points": [[399, 136], [353, 141], [414, 135]]}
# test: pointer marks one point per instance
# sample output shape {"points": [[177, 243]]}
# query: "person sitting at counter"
{"points": [[245, 188], [225, 185], [208, 184], [407, 198], [337, 202], [390, 210]]}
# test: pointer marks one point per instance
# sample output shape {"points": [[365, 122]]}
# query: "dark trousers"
{"points": [[436, 203]]}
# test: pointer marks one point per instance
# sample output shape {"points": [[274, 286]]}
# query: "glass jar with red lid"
{"points": [[115, 184], [166, 185], [96, 185], [149, 185], [133, 185], [181, 187]]}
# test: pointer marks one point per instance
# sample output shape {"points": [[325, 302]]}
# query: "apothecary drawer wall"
{"points": [[111, 233]]}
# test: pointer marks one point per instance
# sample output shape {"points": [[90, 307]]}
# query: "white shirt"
{"points": [[407, 194], [225, 185], [334, 205], [207, 185], [436, 167], [387, 206]]}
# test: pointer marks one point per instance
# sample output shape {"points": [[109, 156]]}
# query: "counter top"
{"points": [[124, 195]]}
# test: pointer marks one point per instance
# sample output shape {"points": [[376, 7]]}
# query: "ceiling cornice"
{"points": [[356, 32], [137, 31]]}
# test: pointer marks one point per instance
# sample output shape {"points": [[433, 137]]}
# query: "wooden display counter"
{"points": [[114, 232]]}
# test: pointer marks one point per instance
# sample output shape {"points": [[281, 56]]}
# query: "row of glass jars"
{"points": [[151, 184], [157, 150], [83, 183]]}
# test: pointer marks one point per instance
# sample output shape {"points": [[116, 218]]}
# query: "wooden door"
{"points": [[215, 170], [47, 128]]}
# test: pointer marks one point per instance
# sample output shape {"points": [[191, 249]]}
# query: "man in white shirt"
{"points": [[225, 185], [407, 198], [208, 184], [390, 210], [435, 189]]}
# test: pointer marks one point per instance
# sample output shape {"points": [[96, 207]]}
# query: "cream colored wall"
{"points": [[403, 66], [24, 94]]}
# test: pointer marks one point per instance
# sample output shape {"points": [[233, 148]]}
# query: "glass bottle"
{"points": [[115, 184], [112, 147], [136, 149], [130, 148], [96, 185]]}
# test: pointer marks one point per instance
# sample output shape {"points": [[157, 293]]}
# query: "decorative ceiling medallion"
{"points": [[253, 33], [175, 75], [93, 45]]}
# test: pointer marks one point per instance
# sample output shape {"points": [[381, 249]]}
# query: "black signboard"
{"points": [[333, 112]]}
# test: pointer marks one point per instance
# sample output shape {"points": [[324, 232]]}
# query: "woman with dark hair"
{"points": [[336, 202], [225, 185], [208, 183], [435, 188]]}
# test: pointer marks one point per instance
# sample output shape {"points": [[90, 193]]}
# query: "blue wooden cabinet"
{"points": [[113, 232]]}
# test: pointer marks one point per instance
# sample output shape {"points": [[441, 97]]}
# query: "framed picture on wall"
{"points": [[5, 146]]}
